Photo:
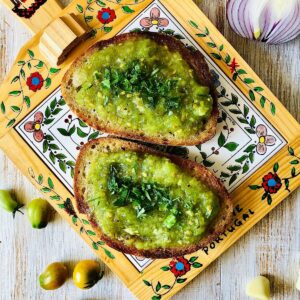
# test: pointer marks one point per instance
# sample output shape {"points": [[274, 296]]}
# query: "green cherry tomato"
{"points": [[38, 212], [8, 203], [54, 276], [86, 274]]}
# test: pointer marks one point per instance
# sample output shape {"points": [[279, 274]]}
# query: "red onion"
{"points": [[270, 21]]}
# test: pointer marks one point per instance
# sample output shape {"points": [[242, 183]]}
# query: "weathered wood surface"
{"points": [[272, 247]]}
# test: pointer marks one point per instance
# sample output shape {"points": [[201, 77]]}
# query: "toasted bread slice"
{"points": [[196, 62], [112, 145]]}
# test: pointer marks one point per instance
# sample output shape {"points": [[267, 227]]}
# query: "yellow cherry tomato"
{"points": [[54, 276], [86, 274]]}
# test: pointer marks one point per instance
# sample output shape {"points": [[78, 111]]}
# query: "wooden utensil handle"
{"points": [[34, 14]]}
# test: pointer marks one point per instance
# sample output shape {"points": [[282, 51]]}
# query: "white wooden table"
{"points": [[272, 247]]}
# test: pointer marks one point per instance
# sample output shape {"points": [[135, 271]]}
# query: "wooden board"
{"points": [[262, 208]]}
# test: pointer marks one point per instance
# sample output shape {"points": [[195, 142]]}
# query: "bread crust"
{"points": [[109, 144], [195, 60]]}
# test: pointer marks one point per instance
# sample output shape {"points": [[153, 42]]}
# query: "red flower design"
{"points": [[106, 15], [35, 126], [233, 66], [179, 266], [35, 81], [271, 183]]}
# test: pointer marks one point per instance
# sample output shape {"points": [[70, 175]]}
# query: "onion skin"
{"points": [[269, 21]]}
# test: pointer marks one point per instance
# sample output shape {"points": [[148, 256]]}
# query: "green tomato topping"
{"points": [[147, 201]]}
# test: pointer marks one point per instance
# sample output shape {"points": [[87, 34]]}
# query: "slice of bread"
{"points": [[194, 59], [110, 145]]}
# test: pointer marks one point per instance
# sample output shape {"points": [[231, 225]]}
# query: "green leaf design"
{"points": [[21, 62], [52, 157], [93, 135], [22, 73], [231, 146], [250, 130], [234, 168], [147, 283], [262, 101], [39, 65], [255, 187], [89, 232], [208, 163], [95, 246], [227, 59], [53, 103], [156, 297], [291, 151], [56, 111], [3, 107], [275, 167], [251, 95], [248, 80], [225, 175], [107, 29], [241, 159], [165, 268], [212, 45], [241, 71], [166, 287], [109, 254], [53, 146], [201, 35], [100, 243], [295, 162], [88, 19], [181, 280], [15, 108], [246, 110], [16, 78], [253, 122], [158, 286], [193, 24], [193, 259], [40, 179], [250, 148], [287, 184], [245, 168], [269, 199], [100, 3], [56, 197], [221, 47], [48, 82], [216, 56], [233, 179], [234, 99], [45, 190], [50, 183], [62, 166], [235, 111], [54, 70], [81, 133], [79, 8], [127, 10], [85, 222], [273, 109], [63, 132], [45, 146], [221, 140], [30, 53], [14, 93], [27, 101], [197, 265], [258, 89], [242, 120], [11, 123], [293, 172]]}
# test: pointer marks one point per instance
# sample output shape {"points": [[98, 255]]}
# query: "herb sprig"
{"points": [[148, 82], [144, 197]]}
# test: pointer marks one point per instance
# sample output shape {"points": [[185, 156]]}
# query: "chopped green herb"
{"points": [[147, 81], [144, 197]]}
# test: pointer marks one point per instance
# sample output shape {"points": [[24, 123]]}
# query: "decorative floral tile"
{"points": [[244, 141]]}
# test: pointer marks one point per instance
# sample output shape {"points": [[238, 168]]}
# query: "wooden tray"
{"points": [[256, 151]]}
